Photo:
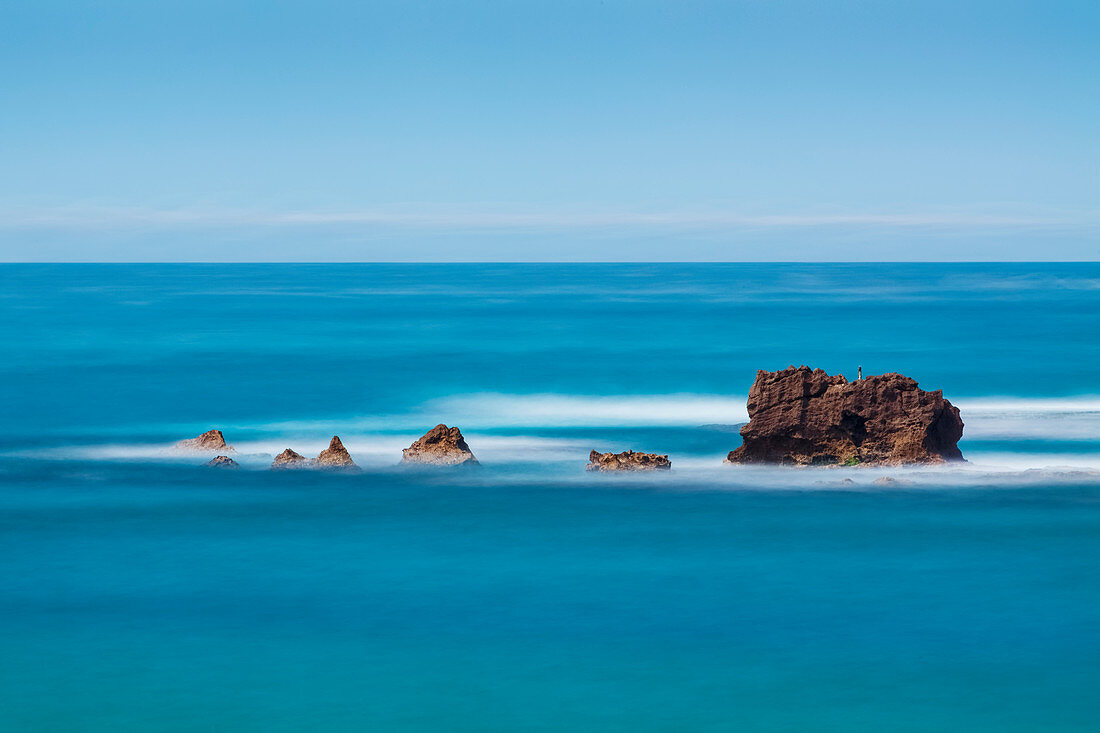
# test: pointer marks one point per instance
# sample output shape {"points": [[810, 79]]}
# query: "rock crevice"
{"points": [[803, 416], [222, 462], [440, 446], [627, 461], [211, 440], [289, 459], [335, 456]]}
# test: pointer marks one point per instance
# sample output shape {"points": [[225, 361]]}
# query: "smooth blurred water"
{"points": [[141, 591]]}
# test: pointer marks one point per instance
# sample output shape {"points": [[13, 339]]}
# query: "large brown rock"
{"points": [[440, 446], [803, 416], [289, 459], [628, 461], [208, 441], [335, 456]]}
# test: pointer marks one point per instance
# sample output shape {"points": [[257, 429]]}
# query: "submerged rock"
{"points": [[335, 456], [841, 482], [223, 462], [628, 461], [289, 459], [803, 416], [722, 427], [440, 446], [210, 440]]}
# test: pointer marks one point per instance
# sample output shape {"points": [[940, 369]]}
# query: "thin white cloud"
{"points": [[495, 218]]}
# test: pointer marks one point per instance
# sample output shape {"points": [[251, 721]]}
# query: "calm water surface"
{"points": [[142, 591]]}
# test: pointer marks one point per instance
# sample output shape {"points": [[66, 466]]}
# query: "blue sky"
{"points": [[740, 130]]}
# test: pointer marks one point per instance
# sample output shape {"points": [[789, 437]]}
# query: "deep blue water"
{"points": [[140, 590]]}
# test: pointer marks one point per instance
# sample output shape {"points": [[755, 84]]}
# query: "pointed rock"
{"points": [[210, 440], [440, 446], [289, 459], [627, 461], [223, 462], [335, 456]]}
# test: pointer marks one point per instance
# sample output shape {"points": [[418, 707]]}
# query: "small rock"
{"points": [[289, 459], [440, 446], [841, 482], [335, 456], [223, 462], [628, 461], [210, 440]]}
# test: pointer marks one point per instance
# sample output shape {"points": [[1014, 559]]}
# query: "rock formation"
{"points": [[222, 462], [290, 459], [803, 416], [210, 440], [628, 461], [335, 456], [440, 446]]}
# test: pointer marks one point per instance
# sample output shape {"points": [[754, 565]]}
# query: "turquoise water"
{"points": [[141, 591]]}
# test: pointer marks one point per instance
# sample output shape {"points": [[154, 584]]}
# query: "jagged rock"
{"points": [[208, 441], [803, 416], [223, 462], [335, 456], [628, 461], [888, 481], [440, 446], [289, 459]]}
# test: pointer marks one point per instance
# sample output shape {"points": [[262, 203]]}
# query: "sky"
{"points": [[549, 131]]}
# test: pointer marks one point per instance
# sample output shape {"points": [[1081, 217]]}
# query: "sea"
{"points": [[141, 590]]}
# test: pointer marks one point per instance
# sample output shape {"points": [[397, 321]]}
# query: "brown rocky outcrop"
{"points": [[440, 446], [289, 459], [222, 462], [803, 416], [335, 456], [210, 440], [628, 461]]}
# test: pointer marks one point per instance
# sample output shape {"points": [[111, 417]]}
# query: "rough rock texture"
{"points": [[803, 416], [628, 461], [223, 462], [289, 459], [335, 456], [210, 440], [440, 446]]}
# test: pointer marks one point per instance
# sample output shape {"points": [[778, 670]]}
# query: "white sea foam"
{"points": [[1067, 419], [489, 410], [535, 460], [1071, 419], [376, 441], [554, 410], [709, 474], [375, 451], [1018, 461]]}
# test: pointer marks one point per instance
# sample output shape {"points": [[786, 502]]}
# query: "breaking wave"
{"points": [[1070, 419], [1005, 434], [1066, 419], [489, 410]]}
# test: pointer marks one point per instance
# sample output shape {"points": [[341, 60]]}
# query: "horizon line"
{"points": [[551, 262]]}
